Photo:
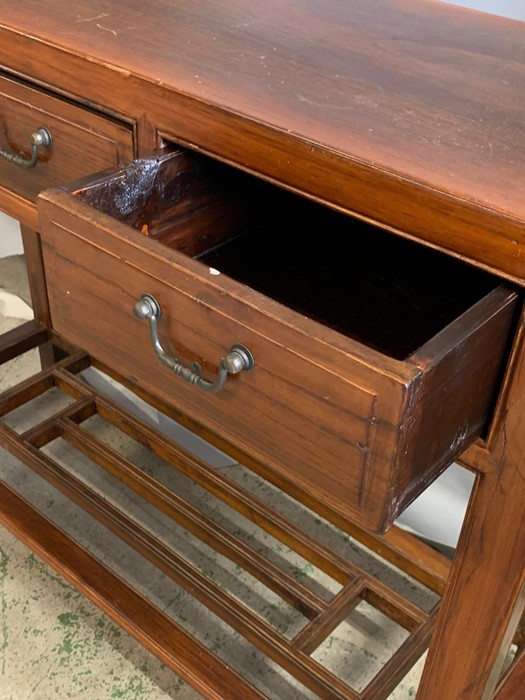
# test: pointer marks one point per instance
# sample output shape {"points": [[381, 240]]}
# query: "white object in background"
{"points": [[437, 515], [11, 306], [10, 237], [514, 9]]}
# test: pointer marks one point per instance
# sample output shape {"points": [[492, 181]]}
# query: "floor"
{"points": [[55, 644]]}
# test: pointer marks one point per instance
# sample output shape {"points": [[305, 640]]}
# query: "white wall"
{"points": [[10, 238], [515, 9]]}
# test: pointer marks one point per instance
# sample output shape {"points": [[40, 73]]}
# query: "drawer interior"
{"points": [[384, 291]]}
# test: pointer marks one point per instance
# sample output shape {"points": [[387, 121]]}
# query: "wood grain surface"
{"points": [[409, 112]]}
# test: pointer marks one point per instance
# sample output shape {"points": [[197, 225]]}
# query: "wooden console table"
{"points": [[161, 161]]}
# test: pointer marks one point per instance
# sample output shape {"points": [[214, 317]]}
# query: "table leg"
{"points": [[484, 598], [35, 273], [37, 287]]}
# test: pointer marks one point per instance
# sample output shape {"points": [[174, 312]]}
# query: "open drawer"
{"points": [[375, 360]]}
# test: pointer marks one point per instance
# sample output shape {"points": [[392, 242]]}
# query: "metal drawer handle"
{"points": [[239, 358], [41, 137]]}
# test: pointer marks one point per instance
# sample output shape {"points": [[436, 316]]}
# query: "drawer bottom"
{"points": [[277, 582]]}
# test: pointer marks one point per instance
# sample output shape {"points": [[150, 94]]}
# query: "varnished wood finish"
{"points": [[149, 625], [379, 431], [324, 614], [407, 113], [83, 142], [488, 576], [36, 273], [37, 285], [21, 339], [396, 546], [413, 95]]}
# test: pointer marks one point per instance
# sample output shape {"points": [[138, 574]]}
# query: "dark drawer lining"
{"points": [[387, 292]]}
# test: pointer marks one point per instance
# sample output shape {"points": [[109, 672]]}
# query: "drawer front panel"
{"points": [[82, 142], [313, 427], [340, 425]]}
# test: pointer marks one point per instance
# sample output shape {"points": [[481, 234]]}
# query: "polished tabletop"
{"points": [[428, 91]]}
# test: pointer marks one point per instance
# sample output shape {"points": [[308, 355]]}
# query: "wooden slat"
{"points": [[415, 558], [176, 648], [189, 517], [294, 655], [400, 548], [36, 385], [21, 339], [313, 634], [394, 605], [48, 429], [251, 626], [226, 490], [26, 391], [37, 286], [71, 385], [400, 663]]}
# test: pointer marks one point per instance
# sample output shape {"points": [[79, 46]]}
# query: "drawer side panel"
{"points": [[462, 367]]}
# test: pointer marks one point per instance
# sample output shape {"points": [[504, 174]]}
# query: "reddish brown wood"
{"points": [[220, 602], [37, 286], [411, 118], [175, 507], [485, 598], [19, 208], [83, 141], [409, 97], [228, 491], [146, 138], [316, 631], [379, 431], [35, 386], [150, 626], [49, 429], [401, 662], [407, 614], [36, 275], [21, 339], [397, 546], [293, 655]]}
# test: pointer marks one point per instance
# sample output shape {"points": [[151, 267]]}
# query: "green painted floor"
{"points": [[55, 644]]}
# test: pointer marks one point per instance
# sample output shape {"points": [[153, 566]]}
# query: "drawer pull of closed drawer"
{"points": [[239, 358], [40, 137]]}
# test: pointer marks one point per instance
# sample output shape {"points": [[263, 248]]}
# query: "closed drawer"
{"points": [[83, 142], [376, 360]]}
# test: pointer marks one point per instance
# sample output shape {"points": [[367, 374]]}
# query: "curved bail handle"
{"points": [[40, 137], [239, 359]]}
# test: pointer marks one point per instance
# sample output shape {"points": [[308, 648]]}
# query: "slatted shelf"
{"points": [[134, 611]]}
